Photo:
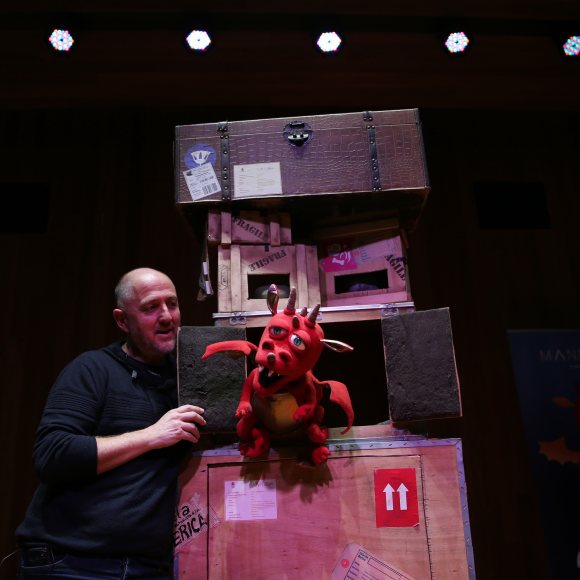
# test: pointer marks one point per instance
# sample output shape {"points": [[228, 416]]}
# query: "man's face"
{"points": [[150, 317]]}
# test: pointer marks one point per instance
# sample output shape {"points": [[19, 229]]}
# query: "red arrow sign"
{"points": [[396, 500]]}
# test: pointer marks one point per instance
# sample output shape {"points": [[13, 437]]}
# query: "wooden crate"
{"points": [[244, 269], [279, 519], [363, 264], [248, 227]]}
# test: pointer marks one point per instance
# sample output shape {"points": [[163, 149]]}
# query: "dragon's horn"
{"points": [[291, 306], [311, 321]]}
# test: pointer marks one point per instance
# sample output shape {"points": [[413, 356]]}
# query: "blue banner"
{"points": [[546, 366]]}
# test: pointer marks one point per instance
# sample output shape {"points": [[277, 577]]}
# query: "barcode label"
{"points": [[201, 181], [211, 188]]}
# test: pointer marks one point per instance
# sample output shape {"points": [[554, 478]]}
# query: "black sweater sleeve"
{"points": [[66, 449]]}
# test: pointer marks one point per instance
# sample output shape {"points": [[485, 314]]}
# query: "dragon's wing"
{"points": [[233, 348], [339, 395]]}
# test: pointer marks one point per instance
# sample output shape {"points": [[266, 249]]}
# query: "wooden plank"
{"points": [[274, 232], [301, 278], [226, 237], [312, 276], [285, 228], [224, 279], [237, 281], [376, 229], [214, 226], [259, 319]]}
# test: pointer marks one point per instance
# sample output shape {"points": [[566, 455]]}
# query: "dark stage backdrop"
{"points": [[105, 178]]}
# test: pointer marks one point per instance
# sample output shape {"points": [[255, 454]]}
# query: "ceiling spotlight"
{"points": [[457, 42], [61, 40], [328, 42], [572, 46], [198, 40]]}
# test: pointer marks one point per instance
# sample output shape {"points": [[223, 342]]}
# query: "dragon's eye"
{"points": [[277, 331], [297, 342]]}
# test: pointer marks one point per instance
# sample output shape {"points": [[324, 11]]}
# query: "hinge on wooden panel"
{"points": [[374, 157], [396, 308], [238, 319], [225, 158], [390, 310]]}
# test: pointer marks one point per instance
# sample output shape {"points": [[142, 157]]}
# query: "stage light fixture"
{"points": [[198, 40], [456, 42], [329, 42], [572, 46], [61, 40]]}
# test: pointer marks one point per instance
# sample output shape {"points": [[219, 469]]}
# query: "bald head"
{"points": [[125, 288], [148, 313]]}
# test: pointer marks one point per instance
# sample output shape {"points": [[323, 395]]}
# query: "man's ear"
{"points": [[120, 319]]}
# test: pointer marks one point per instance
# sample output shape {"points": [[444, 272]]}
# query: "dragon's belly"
{"points": [[276, 412]]}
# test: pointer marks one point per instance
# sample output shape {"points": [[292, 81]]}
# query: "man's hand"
{"points": [[176, 425]]}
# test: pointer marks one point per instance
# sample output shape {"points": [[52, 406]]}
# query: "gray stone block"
{"points": [[422, 380], [215, 383]]}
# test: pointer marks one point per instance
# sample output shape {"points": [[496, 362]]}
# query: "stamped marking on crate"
{"points": [[191, 521], [223, 276], [398, 265], [270, 259], [252, 229]]}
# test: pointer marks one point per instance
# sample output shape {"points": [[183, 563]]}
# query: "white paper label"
{"points": [[257, 179], [250, 500], [201, 181], [357, 563]]}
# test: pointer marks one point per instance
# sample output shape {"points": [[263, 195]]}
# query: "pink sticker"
{"points": [[338, 262]]}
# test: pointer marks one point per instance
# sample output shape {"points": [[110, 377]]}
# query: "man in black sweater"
{"points": [[108, 449]]}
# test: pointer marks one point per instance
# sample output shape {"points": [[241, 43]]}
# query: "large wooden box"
{"points": [[272, 159], [363, 263], [279, 519]]}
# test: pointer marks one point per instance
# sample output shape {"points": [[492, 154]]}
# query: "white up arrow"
{"points": [[401, 490], [388, 491]]}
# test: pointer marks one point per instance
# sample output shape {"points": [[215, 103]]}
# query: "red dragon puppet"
{"points": [[283, 383]]}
